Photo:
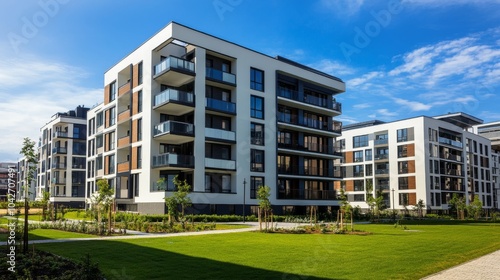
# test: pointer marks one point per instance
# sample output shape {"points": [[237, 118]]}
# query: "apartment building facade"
{"points": [[223, 117], [492, 132], [22, 182], [62, 158], [5, 175], [422, 158]]}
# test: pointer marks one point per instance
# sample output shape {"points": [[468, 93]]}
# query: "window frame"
{"points": [[253, 108], [255, 84]]}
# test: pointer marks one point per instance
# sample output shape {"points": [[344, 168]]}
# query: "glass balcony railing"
{"points": [[220, 134], [381, 141], [173, 95], [220, 163], [306, 194], [450, 142], [219, 105], [325, 102], [335, 126], [219, 75], [174, 63], [174, 127], [59, 150], [174, 160]]}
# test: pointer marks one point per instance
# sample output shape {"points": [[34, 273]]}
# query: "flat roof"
{"points": [[460, 119], [362, 124]]}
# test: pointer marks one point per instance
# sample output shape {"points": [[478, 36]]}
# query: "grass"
{"points": [[389, 253], [229, 226], [42, 234]]}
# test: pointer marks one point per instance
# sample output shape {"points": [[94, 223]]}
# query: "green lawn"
{"points": [[41, 234], [389, 253]]}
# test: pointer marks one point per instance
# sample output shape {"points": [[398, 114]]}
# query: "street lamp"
{"points": [[393, 210], [244, 192]]}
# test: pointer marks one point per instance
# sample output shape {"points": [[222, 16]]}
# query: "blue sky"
{"points": [[399, 59]]}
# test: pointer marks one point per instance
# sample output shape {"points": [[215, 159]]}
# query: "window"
{"points": [[111, 138], [139, 101], [403, 183], [360, 141], [218, 151], [402, 151], [256, 107], [256, 79], [402, 167], [167, 184], [404, 198], [358, 156], [256, 160], [359, 185], [369, 170], [139, 129], [111, 164], [99, 119], [112, 116], [284, 138], [139, 157], [112, 91], [98, 163], [218, 122], [368, 154], [257, 134], [217, 183], [139, 73], [99, 141], [358, 171], [79, 148], [255, 183], [405, 134]]}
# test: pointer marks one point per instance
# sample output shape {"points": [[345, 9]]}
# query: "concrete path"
{"points": [[484, 268]]}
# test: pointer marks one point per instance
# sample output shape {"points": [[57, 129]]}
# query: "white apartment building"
{"points": [[492, 132], [223, 117], [62, 158], [418, 158], [22, 180]]}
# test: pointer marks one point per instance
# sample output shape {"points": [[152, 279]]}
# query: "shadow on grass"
{"points": [[122, 260], [439, 222]]}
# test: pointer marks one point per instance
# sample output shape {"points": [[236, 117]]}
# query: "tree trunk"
{"points": [[352, 224], [260, 218], [109, 221]]}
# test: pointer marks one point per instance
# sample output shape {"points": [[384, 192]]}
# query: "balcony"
{"points": [[173, 161], [220, 134], [60, 134], [293, 98], [174, 132], [382, 171], [124, 115], [381, 157], [123, 142], [306, 124], [220, 164], [58, 165], [59, 150], [453, 172], [320, 150], [221, 106], [124, 89], [220, 76], [174, 71], [452, 157], [58, 181], [284, 169], [174, 102], [123, 166], [381, 142], [450, 142], [307, 194]]}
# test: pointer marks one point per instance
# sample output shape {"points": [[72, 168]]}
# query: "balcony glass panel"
{"points": [[220, 134], [174, 127], [221, 76], [173, 160], [175, 63], [220, 105], [220, 163], [173, 95]]}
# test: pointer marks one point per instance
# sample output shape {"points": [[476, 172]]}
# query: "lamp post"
{"points": [[244, 192], [393, 210]]}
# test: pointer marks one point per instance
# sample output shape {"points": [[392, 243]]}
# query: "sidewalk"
{"points": [[485, 268]]}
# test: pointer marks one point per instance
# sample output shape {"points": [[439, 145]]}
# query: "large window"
{"points": [[404, 198], [358, 156], [111, 164], [359, 185], [112, 91], [360, 141], [217, 183], [139, 73], [218, 151], [405, 134], [139, 129], [256, 79], [79, 148], [139, 101], [403, 183], [255, 183], [112, 116], [358, 171], [256, 107], [257, 160], [218, 122], [139, 157], [257, 133], [402, 167], [368, 155]]}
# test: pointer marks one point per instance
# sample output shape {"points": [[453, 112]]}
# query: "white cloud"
{"points": [[412, 105], [441, 3], [47, 87], [361, 106], [386, 113], [332, 67], [364, 79]]}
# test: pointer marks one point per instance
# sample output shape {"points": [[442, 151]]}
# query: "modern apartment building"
{"points": [[22, 175], [62, 158], [492, 132], [4, 178], [223, 117], [419, 158]]}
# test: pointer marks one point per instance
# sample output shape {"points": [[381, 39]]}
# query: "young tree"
{"points": [[475, 207], [179, 197], [419, 207], [345, 209], [28, 151], [458, 203], [379, 203], [370, 200], [263, 194], [102, 200], [45, 205]]}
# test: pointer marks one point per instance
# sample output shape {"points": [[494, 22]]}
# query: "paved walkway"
{"points": [[484, 268]]}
